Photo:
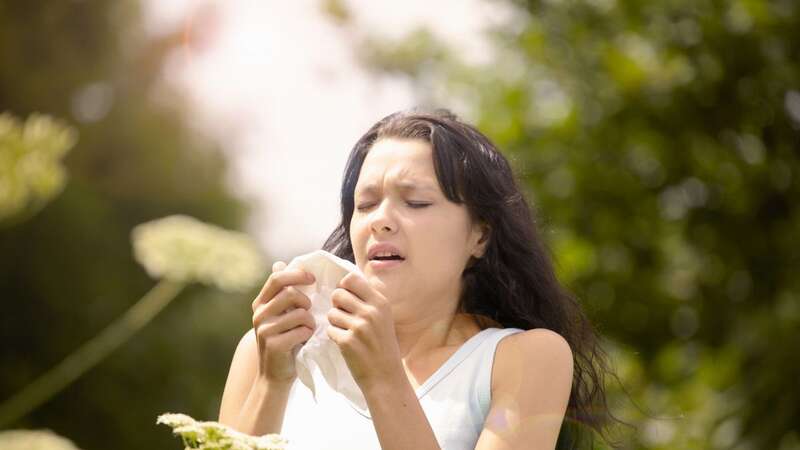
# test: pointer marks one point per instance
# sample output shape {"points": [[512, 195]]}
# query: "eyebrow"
{"points": [[402, 185]]}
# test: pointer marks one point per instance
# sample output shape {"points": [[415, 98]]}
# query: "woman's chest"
{"points": [[418, 372]]}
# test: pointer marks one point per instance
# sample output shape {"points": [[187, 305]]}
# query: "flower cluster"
{"points": [[182, 248], [34, 440], [216, 436], [31, 171]]}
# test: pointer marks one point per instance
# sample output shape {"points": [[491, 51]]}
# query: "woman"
{"points": [[458, 333]]}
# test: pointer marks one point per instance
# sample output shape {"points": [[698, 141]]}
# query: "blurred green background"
{"points": [[659, 142], [69, 271]]}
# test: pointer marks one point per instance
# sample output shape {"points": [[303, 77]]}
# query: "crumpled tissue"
{"points": [[320, 353]]}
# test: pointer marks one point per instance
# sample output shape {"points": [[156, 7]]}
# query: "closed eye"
{"points": [[414, 205], [418, 205]]}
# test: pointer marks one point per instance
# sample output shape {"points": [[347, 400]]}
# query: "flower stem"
{"points": [[88, 355]]}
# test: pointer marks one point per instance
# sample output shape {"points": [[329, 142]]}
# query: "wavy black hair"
{"points": [[513, 284]]}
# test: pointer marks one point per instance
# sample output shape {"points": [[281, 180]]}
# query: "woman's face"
{"points": [[398, 201]]}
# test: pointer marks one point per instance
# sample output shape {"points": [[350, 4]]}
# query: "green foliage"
{"points": [[69, 271], [658, 141]]}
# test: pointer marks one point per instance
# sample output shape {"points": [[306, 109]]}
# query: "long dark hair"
{"points": [[513, 284]]}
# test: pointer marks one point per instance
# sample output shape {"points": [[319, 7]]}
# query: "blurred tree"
{"points": [[659, 143], [69, 271]]}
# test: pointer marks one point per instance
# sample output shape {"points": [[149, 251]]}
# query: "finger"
{"points": [[337, 335], [345, 300], [286, 300], [279, 280], [282, 303], [358, 285], [341, 319], [277, 266], [274, 326], [287, 341]]}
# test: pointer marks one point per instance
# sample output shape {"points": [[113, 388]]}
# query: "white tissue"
{"points": [[320, 353]]}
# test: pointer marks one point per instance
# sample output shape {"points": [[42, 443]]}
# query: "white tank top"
{"points": [[455, 399]]}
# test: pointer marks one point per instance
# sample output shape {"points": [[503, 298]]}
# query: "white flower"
{"points": [[216, 436], [174, 419], [193, 436], [270, 442], [182, 248], [30, 160], [34, 440]]}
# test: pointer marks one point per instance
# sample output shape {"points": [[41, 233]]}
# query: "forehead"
{"points": [[406, 164]]}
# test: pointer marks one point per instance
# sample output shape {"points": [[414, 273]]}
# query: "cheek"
{"points": [[440, 253], [358, 239]]}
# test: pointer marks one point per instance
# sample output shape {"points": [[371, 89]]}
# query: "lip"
{"points": [[383, 247], [377, 264]]}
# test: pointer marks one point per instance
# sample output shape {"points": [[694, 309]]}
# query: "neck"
{"points": [[417, 337]]}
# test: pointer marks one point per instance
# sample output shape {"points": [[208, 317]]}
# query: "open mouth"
{"points": [[387, 258], [384, 254], [382, 262]]}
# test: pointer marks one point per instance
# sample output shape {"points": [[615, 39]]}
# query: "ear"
{"points": [[483, 231]]}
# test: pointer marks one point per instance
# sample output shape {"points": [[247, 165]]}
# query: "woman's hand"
{"points": [[281, 320], [363, 328]]}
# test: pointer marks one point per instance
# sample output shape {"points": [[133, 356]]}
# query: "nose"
{"points": [[382, 219]]}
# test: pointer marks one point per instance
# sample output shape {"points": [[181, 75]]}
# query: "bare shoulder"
{"points": [[531, 384], [242, 372], [245, 357], [538, 352], [248, 340]]}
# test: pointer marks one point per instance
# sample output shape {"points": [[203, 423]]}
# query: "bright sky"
{"points": [[277, 84]]}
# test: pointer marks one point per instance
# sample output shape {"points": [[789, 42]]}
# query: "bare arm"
{"points": [[250, 403], [262, 371], [398, 417]]}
